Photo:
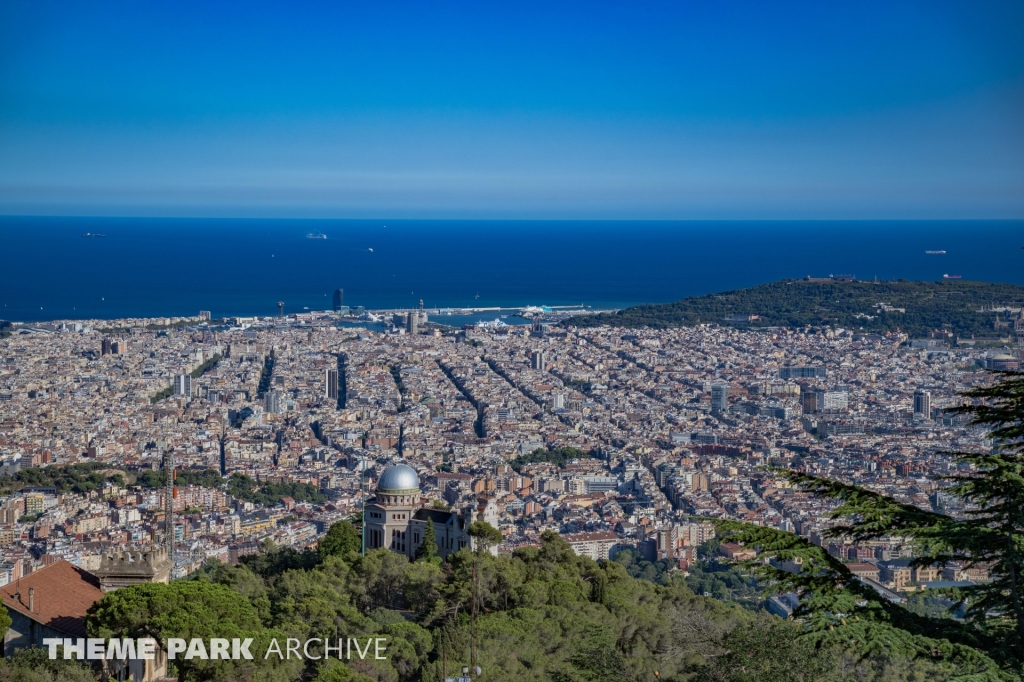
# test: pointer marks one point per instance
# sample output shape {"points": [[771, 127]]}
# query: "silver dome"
{"points": [[399, 477]]}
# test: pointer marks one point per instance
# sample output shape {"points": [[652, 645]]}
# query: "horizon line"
{"points": [[498, 220]]}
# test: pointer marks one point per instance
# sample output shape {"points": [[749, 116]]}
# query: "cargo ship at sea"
{"points": [[951, 277], [936, 253], [93, 234], [316, 235]]}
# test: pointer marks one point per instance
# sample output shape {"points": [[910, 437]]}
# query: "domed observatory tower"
{"points": [[388, 515], [396, 518]]}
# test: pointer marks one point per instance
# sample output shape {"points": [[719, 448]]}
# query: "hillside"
{"points": [[543, 615], [913, 307]]}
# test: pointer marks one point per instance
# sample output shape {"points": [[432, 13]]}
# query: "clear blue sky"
{"points": [[513, 110]]}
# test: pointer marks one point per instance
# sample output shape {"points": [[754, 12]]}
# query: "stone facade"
{"points": [[396, 518], [131, 567]]}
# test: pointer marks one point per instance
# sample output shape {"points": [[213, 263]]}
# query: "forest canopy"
{"points": [[915, 308]]}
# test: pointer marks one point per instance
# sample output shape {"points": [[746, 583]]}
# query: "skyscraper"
{"points": [[413, 322], [272, 402], [922, 404], [331, 380], [170, 492], [538, 361], [339, 299], [280, 309], [720, 398], [183, 385]]}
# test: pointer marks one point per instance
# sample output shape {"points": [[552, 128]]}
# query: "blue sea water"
{"points": [[156, 267]]}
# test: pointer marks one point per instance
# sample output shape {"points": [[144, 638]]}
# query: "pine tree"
{"points": [[428, 549], [990, 533]]}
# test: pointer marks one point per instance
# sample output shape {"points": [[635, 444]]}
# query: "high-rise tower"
{"points": [[720, 398], [170, 492], [922, 404], [331, 388], [339, 299]]}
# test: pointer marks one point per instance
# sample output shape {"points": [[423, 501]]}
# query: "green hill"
{"points": [[543, 615], [912, 307]]}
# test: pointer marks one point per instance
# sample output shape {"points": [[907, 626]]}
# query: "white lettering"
{"points": [[362, 654], [274, 648], [291, 647], [328, 647], [305, 649], [219, 649], [53, 643], [78, 649], [241, 650], [377, 648], [95, 648], [147, 648], [196, 649], [121, 648], [174, 647]]}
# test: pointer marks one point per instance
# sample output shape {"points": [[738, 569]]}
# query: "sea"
{"points": [[150, 267]]}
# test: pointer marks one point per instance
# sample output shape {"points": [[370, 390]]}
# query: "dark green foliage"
{"points": [[157, 478], [428, 548], [640, 568], [557, 456], [162, 394], [544, 615], [5, 621], [266, 374], [838, 610], [152, 478], [274, 560], [340, 539], [206, 366], [991, 531], [726, 582], [33, 664], [951, 305], [77, 478], [207, 478], [484, 534], [243, 487], [187, 609], [769, 650], [933, 603]]}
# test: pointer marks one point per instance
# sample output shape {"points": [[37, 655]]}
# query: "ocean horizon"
{"points": [[154, 267]]}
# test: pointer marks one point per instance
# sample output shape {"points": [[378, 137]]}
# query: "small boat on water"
{"points": [[93, 234], [951, 277], [316, 235], [936, 253]]}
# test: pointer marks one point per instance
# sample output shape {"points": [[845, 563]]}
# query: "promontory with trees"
{"points": [[963, 308]]}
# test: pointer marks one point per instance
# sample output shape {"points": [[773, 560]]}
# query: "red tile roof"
{"points": [[63, 594]]}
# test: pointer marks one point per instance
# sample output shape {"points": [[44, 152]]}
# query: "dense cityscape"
{"points": [[615, 439]]}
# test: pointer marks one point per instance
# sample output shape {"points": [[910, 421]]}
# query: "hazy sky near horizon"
{"points": [[594, 109]]}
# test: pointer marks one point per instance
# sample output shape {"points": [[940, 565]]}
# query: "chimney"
{"points": [[32, 599]]}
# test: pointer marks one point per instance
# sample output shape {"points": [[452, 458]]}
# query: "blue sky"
{"points": [[669, 110]]}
